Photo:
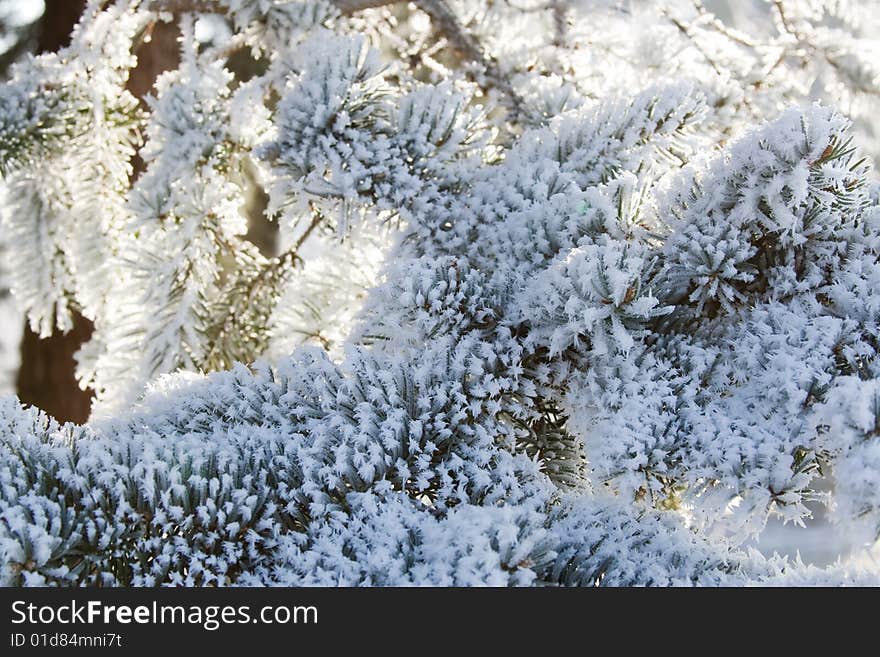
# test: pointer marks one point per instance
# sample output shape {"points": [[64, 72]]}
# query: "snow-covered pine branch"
{"points": [[553, 302]]}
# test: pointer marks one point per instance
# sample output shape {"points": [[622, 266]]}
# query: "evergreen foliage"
{"points": [[570, 302]]}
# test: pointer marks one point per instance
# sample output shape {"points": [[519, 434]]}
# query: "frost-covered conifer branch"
{"points": [[602, 346], [443, 18]]}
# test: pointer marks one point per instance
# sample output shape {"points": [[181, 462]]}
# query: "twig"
{"points": [[684, 29], [734, 35]]}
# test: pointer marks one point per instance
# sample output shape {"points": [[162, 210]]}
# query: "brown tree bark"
{"points": [[57, 22], [46, 375], [156, 54]]}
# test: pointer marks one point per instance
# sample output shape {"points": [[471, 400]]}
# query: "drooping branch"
{"points": [[444, 19], [266, 277]]}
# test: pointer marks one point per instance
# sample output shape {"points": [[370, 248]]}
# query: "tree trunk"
{"points": [[46, 374]]}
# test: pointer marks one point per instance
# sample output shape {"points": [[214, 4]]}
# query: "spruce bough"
{"points": [[524, 326]]}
